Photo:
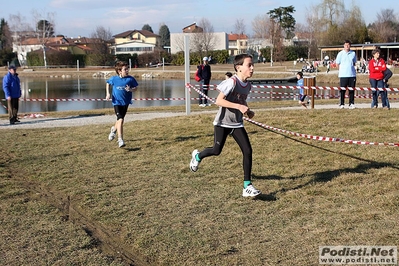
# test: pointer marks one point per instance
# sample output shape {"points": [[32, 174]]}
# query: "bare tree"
{"points": [[325, 20], [101, 33], [19, 29], [353, 27], [99, 39], [178, 42], [44, 29], [384, 29], [261, 26], [239, 26], [204, 41], [311, 31], [18, 25], [330, 12]]}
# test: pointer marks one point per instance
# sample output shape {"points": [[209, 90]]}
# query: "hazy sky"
{"points": [[81, 17]]}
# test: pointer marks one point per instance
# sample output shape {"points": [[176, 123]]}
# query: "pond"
{"points": [[67, 94]]}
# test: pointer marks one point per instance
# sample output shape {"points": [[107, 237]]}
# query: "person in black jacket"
{"points": [[204, 72]]}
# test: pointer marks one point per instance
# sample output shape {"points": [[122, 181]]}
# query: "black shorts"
{"points": [[120, 111], [347, 82], [302, 97]]}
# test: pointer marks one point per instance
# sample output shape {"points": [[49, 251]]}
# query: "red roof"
{"points": [[235, 37]]}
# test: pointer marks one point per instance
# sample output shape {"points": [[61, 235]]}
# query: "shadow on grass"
{"points": [[326, 176], [185, 138], [132, 149]]}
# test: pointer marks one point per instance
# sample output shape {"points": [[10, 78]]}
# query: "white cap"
{"points": [[205, 58]]}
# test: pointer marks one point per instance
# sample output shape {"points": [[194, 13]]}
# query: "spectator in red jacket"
{"points": [[377, 67]]}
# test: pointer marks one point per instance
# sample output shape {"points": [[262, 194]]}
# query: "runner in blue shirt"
{"points": [[302, 92], [122, 86]]}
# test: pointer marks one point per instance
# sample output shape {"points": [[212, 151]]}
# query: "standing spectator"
{"points": [[122, 87], [12, 92], [387, 75], [229, 120], [204, 72], [377, 67], [346, 61]]}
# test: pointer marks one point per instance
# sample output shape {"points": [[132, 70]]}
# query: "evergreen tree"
{"points": [[147, 27], [5, 36], [165, 35]]}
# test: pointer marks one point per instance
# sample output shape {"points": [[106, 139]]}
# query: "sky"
{"points": [[73, 18]]}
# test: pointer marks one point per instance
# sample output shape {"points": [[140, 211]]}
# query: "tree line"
{"points": [[327, 23]]}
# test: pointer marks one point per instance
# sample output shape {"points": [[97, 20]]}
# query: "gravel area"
{"points": [[75, 121]]}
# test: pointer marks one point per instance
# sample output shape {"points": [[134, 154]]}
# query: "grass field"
{"points": [[68, 196]]}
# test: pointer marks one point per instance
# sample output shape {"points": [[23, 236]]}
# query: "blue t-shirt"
{"points": [[346, 62], [119, 95], [300, 83]]}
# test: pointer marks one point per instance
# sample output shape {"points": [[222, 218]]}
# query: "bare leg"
{"points": [[119, 128]]}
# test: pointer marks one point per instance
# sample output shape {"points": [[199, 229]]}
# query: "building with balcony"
{"points": [[135, 42]]}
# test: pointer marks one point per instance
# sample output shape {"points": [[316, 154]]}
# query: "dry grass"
{"points": [[71, 197]]}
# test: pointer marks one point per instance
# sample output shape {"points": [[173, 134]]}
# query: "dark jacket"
{"points": [[204, 72], [11, 86], [387, 74]]}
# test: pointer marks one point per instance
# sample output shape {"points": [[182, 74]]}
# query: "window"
{"points": [[134, 49]]}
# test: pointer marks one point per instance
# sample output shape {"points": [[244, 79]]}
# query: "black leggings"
{"points": [[241, 137]]}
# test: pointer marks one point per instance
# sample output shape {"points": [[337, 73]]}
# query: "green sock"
{"points": [[197, 157], [246, 183]]}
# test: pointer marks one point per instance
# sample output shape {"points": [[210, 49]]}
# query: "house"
{"points": [[30, 44], [216, 40], [135, 42], [193, 28], [238, 43], [219, 41], [80, 45]]}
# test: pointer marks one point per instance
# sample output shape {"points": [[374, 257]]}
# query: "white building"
{"points": [[220, 41]]}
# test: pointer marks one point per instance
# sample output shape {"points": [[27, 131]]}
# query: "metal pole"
{"points": [[187, 71]]}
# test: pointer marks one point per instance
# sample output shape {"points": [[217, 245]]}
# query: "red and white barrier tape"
{"points": [[96, 100], [214, 87], [321, 138], [312, 137]]}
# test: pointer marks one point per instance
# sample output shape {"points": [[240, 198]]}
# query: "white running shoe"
{"points": [[111, 135], [352, 106], [342, 106], [250, 191], [194, 163], [121, 143]]}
